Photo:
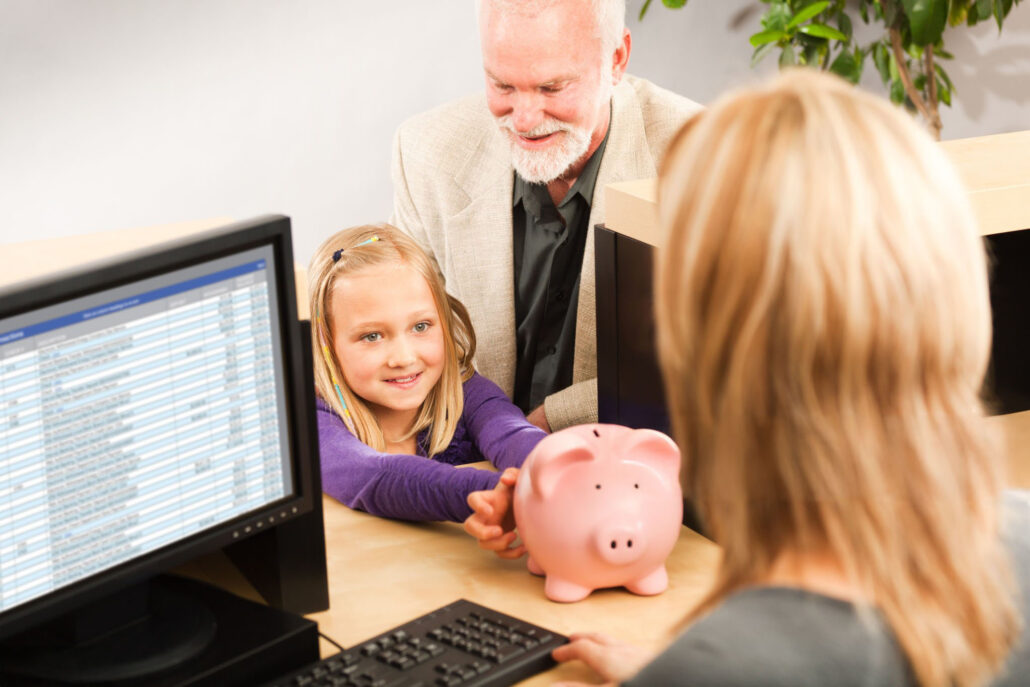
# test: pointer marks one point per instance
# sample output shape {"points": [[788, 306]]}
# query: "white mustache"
{"points": [[544, 128]]}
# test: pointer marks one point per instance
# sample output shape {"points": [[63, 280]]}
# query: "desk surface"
{"points": [[383, 573]]}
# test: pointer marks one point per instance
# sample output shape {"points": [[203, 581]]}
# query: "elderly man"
{"points": [[504, 190]]}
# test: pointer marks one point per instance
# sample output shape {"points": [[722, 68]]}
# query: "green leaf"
{"points": [[823, 31], [959, 13], [882, 60], [810, 55], [777, 17], [674, 4], [944, 75], [926, 19], [787, 58], [760, 53], [897, 92], [984, 9], [1001, 10], [844, 24], [943, 93], [763, 37], [892, 67], [847, 66], [807, 13], [643, 10]]}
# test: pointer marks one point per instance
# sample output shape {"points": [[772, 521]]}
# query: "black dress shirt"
{"points": [[548, 250]]}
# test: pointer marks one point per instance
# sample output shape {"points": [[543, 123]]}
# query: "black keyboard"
{"points": [[461, 643]]}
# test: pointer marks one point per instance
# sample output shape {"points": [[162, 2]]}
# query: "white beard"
{"points": [[544, 166]]}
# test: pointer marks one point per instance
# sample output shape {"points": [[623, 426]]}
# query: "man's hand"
{"points": [[539, 418], [614, 660], [492, 521]]}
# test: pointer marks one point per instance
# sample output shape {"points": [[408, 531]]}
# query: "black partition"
{"points": [[1007, 387], [629, 383]]}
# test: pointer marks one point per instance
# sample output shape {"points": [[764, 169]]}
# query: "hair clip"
{"points": [[338, 253]]}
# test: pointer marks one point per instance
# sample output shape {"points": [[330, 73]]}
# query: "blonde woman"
{"points": [[399, 402], [823, 329]]}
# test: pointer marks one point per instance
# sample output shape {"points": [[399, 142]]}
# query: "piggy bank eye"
{"points": [[597, 486], [636, 486]]}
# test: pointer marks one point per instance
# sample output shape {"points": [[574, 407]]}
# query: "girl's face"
{"points": [[388, 340]]}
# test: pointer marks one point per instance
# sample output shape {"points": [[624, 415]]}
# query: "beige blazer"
{"points": [[453, 184]]}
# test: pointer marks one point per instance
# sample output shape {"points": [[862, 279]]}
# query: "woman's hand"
{"points": [[612, 659], [492, 521]]}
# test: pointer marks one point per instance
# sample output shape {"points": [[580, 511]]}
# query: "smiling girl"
{"points": [[400, 404]]}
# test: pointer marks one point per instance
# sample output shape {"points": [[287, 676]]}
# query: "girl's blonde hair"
{"points": [[823, 327], [353, 252]]}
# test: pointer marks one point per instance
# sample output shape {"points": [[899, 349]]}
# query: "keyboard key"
{"points": [[509, 652]]}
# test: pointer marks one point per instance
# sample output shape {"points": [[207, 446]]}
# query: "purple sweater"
{"points": [[410, 487]]}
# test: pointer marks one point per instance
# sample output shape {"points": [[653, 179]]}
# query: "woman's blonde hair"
{"points": [[824, 327], [350, 251]]}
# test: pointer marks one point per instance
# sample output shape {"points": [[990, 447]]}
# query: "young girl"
{"points": [[399, 402]]}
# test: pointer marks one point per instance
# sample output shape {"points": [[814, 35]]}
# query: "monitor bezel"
{"points": [[125, 268]]}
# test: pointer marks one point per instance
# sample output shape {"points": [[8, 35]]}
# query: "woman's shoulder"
{"points": [[781, 636]]}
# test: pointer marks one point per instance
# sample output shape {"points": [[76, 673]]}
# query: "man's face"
{"points": [[548, 84]]}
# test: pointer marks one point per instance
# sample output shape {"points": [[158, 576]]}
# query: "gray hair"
{"points": [[610, 15]]}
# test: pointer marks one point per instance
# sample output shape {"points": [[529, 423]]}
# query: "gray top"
{"points": [[548, 245], [786, 636]]}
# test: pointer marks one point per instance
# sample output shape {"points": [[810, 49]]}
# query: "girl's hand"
{"points": [[492, 521], [612, 659]]}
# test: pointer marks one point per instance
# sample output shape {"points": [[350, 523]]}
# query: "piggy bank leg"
{"points": [[534, 567], [653, 583], [564, 591]]}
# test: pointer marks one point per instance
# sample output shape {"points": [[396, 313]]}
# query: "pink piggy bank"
{"points": [[600, 506]]}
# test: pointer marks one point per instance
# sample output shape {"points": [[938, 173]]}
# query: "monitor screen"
{"points": [[145, 413]]}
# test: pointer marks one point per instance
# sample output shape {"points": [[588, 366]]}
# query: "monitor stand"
{"points": [[172, 631], [142, 630]]}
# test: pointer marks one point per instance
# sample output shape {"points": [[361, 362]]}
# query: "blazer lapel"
{"points": [[480, 238]]}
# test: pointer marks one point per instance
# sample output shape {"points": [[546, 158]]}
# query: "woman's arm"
{"points": [[501, 432], [404, 487]]}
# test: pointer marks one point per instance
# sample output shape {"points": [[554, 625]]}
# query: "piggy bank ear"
{"points": [[552, 455], [655, 450]]}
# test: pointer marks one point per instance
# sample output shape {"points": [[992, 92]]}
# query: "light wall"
{"points": [[131, 113]]}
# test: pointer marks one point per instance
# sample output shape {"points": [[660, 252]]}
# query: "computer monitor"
{"points": [[153, 408]]}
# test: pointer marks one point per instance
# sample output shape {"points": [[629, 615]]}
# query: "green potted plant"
{"points": [[907, 54]]}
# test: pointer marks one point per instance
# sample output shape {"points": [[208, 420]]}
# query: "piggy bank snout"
{"points": [[620, 544]]}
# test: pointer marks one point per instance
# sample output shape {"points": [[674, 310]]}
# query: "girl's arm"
{"points": [[502, 433], [404, 487]]}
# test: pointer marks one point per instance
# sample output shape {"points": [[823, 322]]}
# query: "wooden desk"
{"points": [[383, 573]]}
